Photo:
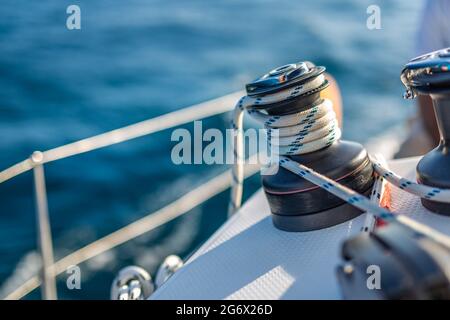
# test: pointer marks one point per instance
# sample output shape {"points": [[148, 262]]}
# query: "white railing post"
{"points": [[43, 228]]}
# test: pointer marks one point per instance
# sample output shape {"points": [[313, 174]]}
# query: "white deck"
{"points": [[248, 258]]}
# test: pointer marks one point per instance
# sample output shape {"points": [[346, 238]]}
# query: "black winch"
{"points": [[429, 74], [297, 204]]}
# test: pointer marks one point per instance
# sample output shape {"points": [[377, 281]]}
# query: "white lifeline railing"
{"points": [[51, 269]]}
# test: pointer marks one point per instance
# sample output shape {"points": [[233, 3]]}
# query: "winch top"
{"points": [[284, 77], [428, 73]]}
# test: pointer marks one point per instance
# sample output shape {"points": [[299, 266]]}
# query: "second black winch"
{"points": [[429, 74]]}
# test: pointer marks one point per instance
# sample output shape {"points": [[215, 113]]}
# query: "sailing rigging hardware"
{"points": [[303, 126], [299, 98], [194, 197], [429, 74]]}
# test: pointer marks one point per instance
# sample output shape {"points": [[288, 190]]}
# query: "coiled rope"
{"points": [[292, 134], [311, 130]]}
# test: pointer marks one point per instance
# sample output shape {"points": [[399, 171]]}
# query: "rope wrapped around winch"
{"points": [[308, 131]]}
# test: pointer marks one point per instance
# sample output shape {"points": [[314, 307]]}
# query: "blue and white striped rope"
{"points": [[435, 194], [361, 201], [376, 196]]}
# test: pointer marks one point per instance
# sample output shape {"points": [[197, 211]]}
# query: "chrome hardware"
{"points": [[169, 266], [132, 283], [427, 73]]}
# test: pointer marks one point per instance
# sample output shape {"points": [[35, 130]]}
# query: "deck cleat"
{"points": [[394, 262], [429, 74], [308, 133]]}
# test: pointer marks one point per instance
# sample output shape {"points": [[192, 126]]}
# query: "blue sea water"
{"points": [[137, 59]]}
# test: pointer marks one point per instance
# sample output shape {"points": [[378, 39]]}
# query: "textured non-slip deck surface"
{"points": [[248, 258]]}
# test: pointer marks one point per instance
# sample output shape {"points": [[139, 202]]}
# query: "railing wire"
{"points": [[146, 127], [150, 222]]}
